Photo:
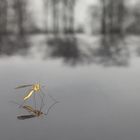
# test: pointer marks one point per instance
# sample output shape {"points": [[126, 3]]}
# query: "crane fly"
{"points": [[35, 88]]}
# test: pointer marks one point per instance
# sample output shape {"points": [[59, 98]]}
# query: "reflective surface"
{"points": [[96, 79]]}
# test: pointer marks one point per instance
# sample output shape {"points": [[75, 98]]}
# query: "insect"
{"points": [[35, 88]]}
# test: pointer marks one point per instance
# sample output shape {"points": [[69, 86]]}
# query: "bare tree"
{"points": [[55, 15], [112, 16], [47, 11], [20, 13], [71, 7], [104, 16], [64, 15], [3, 15], [68, 14], [60, 11]]}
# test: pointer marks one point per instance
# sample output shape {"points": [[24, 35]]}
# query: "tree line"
{"points": [[15, 16], [59, 16]]}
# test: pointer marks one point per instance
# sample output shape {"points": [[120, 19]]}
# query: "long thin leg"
{"points": [[34, 101], [42, 102], [45, 98], [22, 104], [52, 98], [49, 96], [42, 93], [50, 108]]}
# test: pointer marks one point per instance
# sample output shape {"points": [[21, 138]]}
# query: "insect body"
{"points": [[35, 89]]}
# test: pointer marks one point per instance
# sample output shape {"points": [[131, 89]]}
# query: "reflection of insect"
{"points": [[35, 89], [34, 112]]}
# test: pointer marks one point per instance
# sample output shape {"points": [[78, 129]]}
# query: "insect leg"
{"points": [[42, 102], [34, 101], [50, 108]]}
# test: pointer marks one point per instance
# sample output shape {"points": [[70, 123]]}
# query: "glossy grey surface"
{"points": [[96, 80]]}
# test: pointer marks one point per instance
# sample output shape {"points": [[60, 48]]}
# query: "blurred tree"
{"points": [[94, 13], [65, 15], [71, 8], [3, 16], [61, 13], [22, 16], [104, 17], [55, 15], [68, 15], [52, 10], [46, 11], [112, 16], [135, 19]]}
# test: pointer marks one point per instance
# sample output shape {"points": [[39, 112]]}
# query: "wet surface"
{"points": [[96, 79]]}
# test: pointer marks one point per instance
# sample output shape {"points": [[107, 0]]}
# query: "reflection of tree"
{"points": [[73, 51], [13, 45], [65, 48], [112, 51]]}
